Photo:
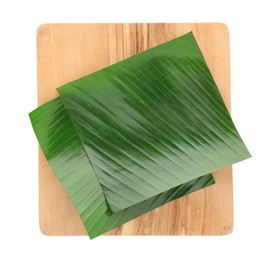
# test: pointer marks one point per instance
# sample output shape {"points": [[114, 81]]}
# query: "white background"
{"points": [[251, 25]]}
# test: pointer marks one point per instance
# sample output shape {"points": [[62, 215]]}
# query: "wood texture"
{"points": [[69, 51]]}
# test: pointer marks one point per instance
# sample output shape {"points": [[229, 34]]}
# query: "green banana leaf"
{"points": [[152, 122], [138, 134]]}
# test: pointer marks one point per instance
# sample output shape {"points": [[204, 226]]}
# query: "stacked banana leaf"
{"points": [[138, 134]]}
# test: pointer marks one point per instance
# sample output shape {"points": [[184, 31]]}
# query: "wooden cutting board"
{"points": [[66, 52]]}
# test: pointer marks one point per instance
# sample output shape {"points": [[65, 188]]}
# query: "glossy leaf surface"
{"points": [[152, 122], [138, 134]]}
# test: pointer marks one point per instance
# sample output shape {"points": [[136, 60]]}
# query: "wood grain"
{"points": [[66, 52]]}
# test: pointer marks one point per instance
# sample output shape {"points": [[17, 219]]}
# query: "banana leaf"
{"points": [[138, 134], [152, 122]]}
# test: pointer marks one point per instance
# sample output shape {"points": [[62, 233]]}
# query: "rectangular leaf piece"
{"points": [[152, 122]]}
